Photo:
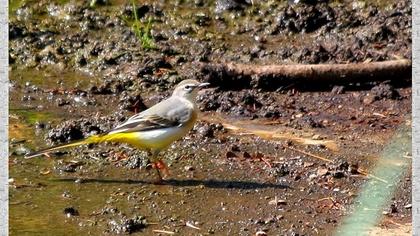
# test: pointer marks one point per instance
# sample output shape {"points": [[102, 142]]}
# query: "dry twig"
{"points": [[308, 154], [189, 224], [163, 231]]}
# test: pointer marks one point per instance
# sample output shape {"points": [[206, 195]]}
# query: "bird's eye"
{"points": [[188, 87]]}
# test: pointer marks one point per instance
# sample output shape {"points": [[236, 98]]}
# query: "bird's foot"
{"points": [[161, 170]]}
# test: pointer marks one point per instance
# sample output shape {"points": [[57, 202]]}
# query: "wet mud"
{"points": [[260, 161]]}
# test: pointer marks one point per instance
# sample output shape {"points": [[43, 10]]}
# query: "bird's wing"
{"points": [[168, 113], [144, 123]]}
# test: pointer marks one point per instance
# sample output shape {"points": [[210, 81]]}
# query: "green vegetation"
{"points": [[93, 3], [31, 117], [14, 5], [143, 32]]}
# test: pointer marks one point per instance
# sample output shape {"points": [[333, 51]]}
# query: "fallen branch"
{"points": [[279, 75], [163, 231]]}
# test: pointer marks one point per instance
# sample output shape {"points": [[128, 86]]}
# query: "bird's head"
{"points": [[188, 89]]}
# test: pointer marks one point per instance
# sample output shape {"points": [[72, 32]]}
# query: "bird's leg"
{"points": [[158, 165]]}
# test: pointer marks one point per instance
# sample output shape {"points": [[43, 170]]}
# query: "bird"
{"points": [[153, 129]]}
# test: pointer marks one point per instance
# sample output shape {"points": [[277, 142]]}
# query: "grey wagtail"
{"points": [[153, 129]]}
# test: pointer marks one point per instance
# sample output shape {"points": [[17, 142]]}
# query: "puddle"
{"points": [[294, 162]]}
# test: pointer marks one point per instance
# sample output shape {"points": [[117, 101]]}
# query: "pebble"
{"points": [[188, 168]]}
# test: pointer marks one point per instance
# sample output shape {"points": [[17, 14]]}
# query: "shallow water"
{"points": [[254, 174]]}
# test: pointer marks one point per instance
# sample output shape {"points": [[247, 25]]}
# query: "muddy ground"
{"points": [[280, 158]]}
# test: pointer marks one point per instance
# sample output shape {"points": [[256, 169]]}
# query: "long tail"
{"points": [[91, 139]]}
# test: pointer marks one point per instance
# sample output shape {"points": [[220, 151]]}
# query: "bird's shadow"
{"points": [[210, 183]]}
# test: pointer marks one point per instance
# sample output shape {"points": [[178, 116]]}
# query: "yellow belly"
{"points": [[162, 138], [157, 139]]}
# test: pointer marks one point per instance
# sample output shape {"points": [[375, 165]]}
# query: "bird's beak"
{"points": [[203, 85]]}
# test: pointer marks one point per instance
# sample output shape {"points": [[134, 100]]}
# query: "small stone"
{"points": [[312, 176], [322, 171], [269, 220], [260, 233], [368, 100], [66, 194], [354, 169], [39, 125], [21, 150], [235, 148], [174, 79], [408, 206], [127, 225], [308, 164], [316, 137], [70, 211], [69, 168], [198, 3], [393, 208], [246, 155], [206, 131], [61, 102], [338, 174], [277, 202], [188, 168], [230, 154]]}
